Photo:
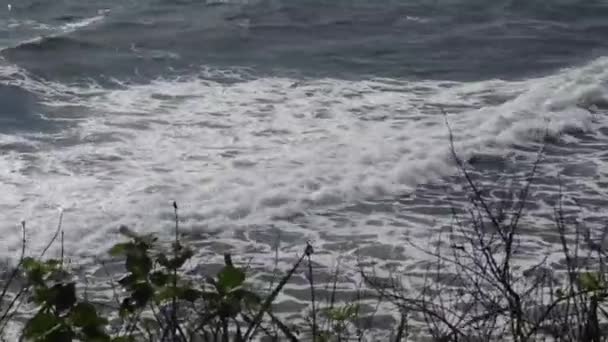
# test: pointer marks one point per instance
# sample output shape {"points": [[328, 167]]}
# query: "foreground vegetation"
{"points": [[473, 291]]}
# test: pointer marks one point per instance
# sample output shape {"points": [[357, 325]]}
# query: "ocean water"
{"points": [[294, 121]]}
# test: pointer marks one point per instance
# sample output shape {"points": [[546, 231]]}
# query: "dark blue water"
{"points": [[137, 41], [448, 40]]}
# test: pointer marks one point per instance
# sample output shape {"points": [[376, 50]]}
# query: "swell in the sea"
{"points": [[267, 150]]}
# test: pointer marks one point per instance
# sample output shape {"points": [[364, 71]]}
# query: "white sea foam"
{"points": [[73, 26], [36, 31], [242, 153]]}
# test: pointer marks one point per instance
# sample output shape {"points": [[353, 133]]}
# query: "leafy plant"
{"points": [[60, 316], [155, 282], [339, 317]]}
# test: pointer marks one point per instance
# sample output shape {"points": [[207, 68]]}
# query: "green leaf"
{"points": [[62, 334], [128, 281], [175, 263], [147, 239], [45, 326], [138, 262], [590, 281], [190, 295], [182, 293], [183, 256], [167, 293], [229, 308], [52, 264], [229, 278], [34, 270], [142, 293], [124, 339], [85, 315], [126, 307], [163, 260], [40, 324], [211, 297], [248, 297], [30, 263], [62, 296], [41, 295], [121, 249], [159, 278], [95, 333], [343, 313]]}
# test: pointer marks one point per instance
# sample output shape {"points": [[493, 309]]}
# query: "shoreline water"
{"points": [[312, 121]]}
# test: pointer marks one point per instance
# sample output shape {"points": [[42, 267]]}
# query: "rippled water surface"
{"points": [[273, 121]]}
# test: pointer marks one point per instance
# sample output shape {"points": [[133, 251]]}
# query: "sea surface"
{"points": [[277, 122]]}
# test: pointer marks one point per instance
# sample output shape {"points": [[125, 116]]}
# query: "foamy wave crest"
{"points": [[52, 93], [40, 31], [78, 24], [247, 152]]}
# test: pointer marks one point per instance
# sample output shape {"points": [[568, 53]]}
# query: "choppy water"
{"points": [[308, 120]]}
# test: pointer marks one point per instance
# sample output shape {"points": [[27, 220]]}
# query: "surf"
{"points": [[260, 149]]}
